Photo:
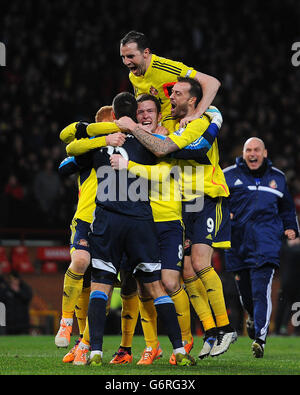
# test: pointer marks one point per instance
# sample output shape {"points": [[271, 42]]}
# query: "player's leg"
{"points": [[166, 313], [171, 280], [215, 233], [73, 280], [104, 275], [199, 300], [144, 254], [81, 309], [201, 259], [106, 254], [97, 320], [171, 236], [129, 316], [148, 315], [83, 348]]}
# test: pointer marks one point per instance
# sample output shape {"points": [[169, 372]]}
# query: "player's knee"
{"points": [[201, 258], [80, 263], [170, 285]]}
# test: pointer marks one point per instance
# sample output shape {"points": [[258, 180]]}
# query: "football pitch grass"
{"points": [[37, 355]]}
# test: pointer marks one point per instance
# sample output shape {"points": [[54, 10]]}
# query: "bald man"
{"points": [[262, 212]]}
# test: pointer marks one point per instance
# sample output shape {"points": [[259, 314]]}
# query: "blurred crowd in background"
{"points": [[63, 63]]}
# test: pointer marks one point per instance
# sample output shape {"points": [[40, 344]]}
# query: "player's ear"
{"points": [[146, 52], [192, 100], [265, 153], [113, 115]]}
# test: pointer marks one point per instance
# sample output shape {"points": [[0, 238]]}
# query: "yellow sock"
{"points": [[182, 306], [199, 300], [214, 289], [149, 321], [81, 308], [72, 290], [86, 333], [130, 313]]}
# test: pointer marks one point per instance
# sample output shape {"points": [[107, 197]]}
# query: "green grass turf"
{"points": [[37, 355]]}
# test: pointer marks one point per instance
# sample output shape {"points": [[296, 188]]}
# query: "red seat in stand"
{"points": [[49, 267], [4, 261], [20, 260]]}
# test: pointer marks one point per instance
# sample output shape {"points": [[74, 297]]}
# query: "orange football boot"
{"points": [[122, 357], [150, 355], [62, 339], [81, 356], [187, 346], [69, 357]]}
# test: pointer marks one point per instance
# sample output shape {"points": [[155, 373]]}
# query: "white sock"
{"points": [[83, 346], [68, 321], [180, 350], [96, 352]]}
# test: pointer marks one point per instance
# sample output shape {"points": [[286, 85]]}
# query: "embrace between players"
{"points": [[161, 239]]}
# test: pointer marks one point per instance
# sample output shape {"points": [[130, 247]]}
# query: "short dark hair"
{"points": [[124, 104], [147, 96], [195, 88], [136, 37]]}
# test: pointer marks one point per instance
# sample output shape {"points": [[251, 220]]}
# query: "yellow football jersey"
{"points": [[87, 188], [87, 179], [199, 178], [68, 133], [158, 80], [164, 190]]}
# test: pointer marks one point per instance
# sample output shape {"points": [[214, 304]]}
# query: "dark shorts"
{"points": [[211, 225], [170, 237], [117, 235], [79, 235]]}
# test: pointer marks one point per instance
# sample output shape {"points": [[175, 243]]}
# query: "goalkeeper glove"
{"points": [[81, 130], [214, 115]]}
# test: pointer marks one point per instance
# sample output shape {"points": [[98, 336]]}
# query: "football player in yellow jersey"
{"points": [[77, 278], [156, 75], [186, 94]]}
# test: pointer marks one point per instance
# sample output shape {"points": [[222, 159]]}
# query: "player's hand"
{"points": [[115, 139], [290, 234], [187, 120], [214, 115], [81, 130], [118, 162], [125, 123]]}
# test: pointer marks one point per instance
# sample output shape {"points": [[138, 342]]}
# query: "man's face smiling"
{"points": [[134, 59], [147, 115], [254, 153]]}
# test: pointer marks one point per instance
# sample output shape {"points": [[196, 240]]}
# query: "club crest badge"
{"points": [[153, 91], [272, 184]]}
